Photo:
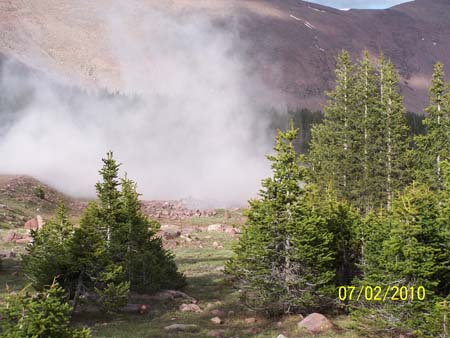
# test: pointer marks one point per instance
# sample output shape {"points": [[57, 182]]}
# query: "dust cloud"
{"points": [[188, 121]]}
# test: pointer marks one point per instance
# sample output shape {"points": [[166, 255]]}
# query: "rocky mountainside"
{"points": [[291, 43]]}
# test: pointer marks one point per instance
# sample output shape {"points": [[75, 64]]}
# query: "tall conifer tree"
{"points": [[284, 260], [433, 147], [332, 146], [395, 132], [369, 132]]}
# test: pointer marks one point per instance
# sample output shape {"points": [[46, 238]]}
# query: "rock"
{"points": [[143, 309], [187, 238], [9, 236], [31, 224], [40, 221], [182, 327], [169, 231], [218, 312], [190, 308], [216, 227], [216, 320], [217, 245], [316, 323], [250, 320]]}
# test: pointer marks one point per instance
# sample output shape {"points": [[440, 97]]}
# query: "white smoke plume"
{"points": [[196, 129]]}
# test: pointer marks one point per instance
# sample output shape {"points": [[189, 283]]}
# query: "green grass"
{"points": [[202, 262]]}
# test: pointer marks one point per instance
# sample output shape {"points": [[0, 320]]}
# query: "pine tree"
{"points": [[284, 261], [96, 271], [148, 265], [433, 147], [415, 251], [48, 255], [109, 202], [344, 223], [333, 156], [43, 315], [369, 136], [397, 172]]}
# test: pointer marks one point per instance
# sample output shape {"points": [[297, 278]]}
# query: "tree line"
{"points": [[369, 205]]}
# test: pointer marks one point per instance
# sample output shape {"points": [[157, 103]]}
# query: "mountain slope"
{"points": [[292, 43]]}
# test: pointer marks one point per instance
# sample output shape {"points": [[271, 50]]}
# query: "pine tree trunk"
{"points": [[78, 289]]}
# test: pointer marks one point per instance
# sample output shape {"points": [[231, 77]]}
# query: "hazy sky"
{"points": [[373, 4]]}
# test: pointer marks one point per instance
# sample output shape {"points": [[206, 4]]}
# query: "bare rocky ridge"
{"points": [[293, 43]]}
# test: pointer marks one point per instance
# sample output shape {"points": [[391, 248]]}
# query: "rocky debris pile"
{"points": [[316, 323], [173, 210]]}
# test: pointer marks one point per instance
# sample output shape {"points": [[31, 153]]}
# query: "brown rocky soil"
{"points": [[293, 43]]}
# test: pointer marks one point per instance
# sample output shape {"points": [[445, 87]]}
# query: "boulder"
{"points": [[250, 320], [190, 308], [216, 320], [182, 327], [31, 224], [316, 323]]}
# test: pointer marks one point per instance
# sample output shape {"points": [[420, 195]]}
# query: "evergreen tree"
{"points": [[369, 136], [108, 195], [114, 248], [395, 130], [333, 157], [344, 223], [415, 251], [284, 260], [48, 255], [44, 315], [433, 147], [148, 265], [95, 270]]}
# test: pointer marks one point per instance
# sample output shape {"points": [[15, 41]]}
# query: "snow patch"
{"points": [[306, 23], [316, 9]]}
